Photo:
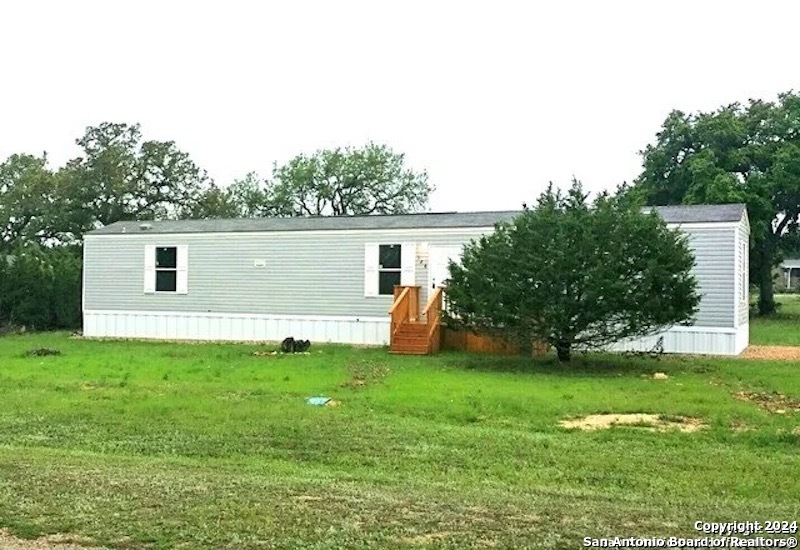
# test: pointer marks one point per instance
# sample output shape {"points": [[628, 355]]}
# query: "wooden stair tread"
{"points": [[411, 339], [405, 329]]}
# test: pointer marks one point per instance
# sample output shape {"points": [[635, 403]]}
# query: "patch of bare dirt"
{"points": [[740, 427], [354, 383], [50, 542], [775, 353], [428, 538], [652, 422], [307, 498], [774, 402], [365, 373]]}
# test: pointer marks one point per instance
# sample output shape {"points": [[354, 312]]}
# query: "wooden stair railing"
{"points": [[400, 308], [409, 333], [433, 313]]}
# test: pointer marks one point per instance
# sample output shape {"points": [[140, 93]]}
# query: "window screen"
{"points": [[166, 269], [389, 264]]}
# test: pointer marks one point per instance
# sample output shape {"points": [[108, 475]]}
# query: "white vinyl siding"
{"points": [[371, 253], [149, 269], [715, 252], [408, 261], [327, 273], [182, 286], [744, 273]]}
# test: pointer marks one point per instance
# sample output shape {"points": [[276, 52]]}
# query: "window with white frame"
{"points": [[166, 269], [387, 265]]}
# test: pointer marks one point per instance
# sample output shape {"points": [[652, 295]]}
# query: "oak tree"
{"points": [[120, 176], [345, 181], [738, 153]]}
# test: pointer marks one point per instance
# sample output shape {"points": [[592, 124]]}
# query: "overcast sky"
{"points": [[493, 99]]}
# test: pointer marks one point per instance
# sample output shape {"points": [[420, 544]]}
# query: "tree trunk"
{"points": [[766, 295], [563, 349]]}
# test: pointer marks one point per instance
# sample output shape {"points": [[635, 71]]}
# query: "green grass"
{"points": [[155, 445], [780, 329]]}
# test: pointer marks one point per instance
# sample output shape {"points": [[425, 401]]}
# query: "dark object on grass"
{"points": [[657, 351], [42, 352], [290, 345], [287, 346]]}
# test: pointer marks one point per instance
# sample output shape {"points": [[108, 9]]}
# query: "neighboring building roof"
{"points": [[431, 220], [700, 213], [790, 264]]}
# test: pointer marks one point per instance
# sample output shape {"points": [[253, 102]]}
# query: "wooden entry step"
{"points": [[411, 339]]}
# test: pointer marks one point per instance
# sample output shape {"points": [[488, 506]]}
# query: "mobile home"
{"points": [[331, 279]]}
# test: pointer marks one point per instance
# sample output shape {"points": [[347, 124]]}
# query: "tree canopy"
{"points": [[737, 153], [26, 200], [120, 176], [372, 179], [575, 274]]}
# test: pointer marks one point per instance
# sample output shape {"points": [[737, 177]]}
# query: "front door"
{"points": [[438, 259]]}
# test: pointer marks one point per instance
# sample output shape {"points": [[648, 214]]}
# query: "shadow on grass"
{"points": [[582, 364], [779, 315]]}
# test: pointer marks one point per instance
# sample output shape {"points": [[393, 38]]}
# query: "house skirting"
{"points": [[162, 325], [187, 325], [693, 340]]}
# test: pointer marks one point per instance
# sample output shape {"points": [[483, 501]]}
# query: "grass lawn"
{"points": [[156, 445], [780, 329]]}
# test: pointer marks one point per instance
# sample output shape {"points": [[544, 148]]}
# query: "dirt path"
{"points": [[51, 542], [778, 353]]}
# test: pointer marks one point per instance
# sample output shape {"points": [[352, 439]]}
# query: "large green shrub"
{"points": [[575, 274], [40, 287]]}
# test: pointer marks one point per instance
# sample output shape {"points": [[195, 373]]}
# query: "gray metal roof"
{"points": [[318, 223], [671, 214], [700, 213]]}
